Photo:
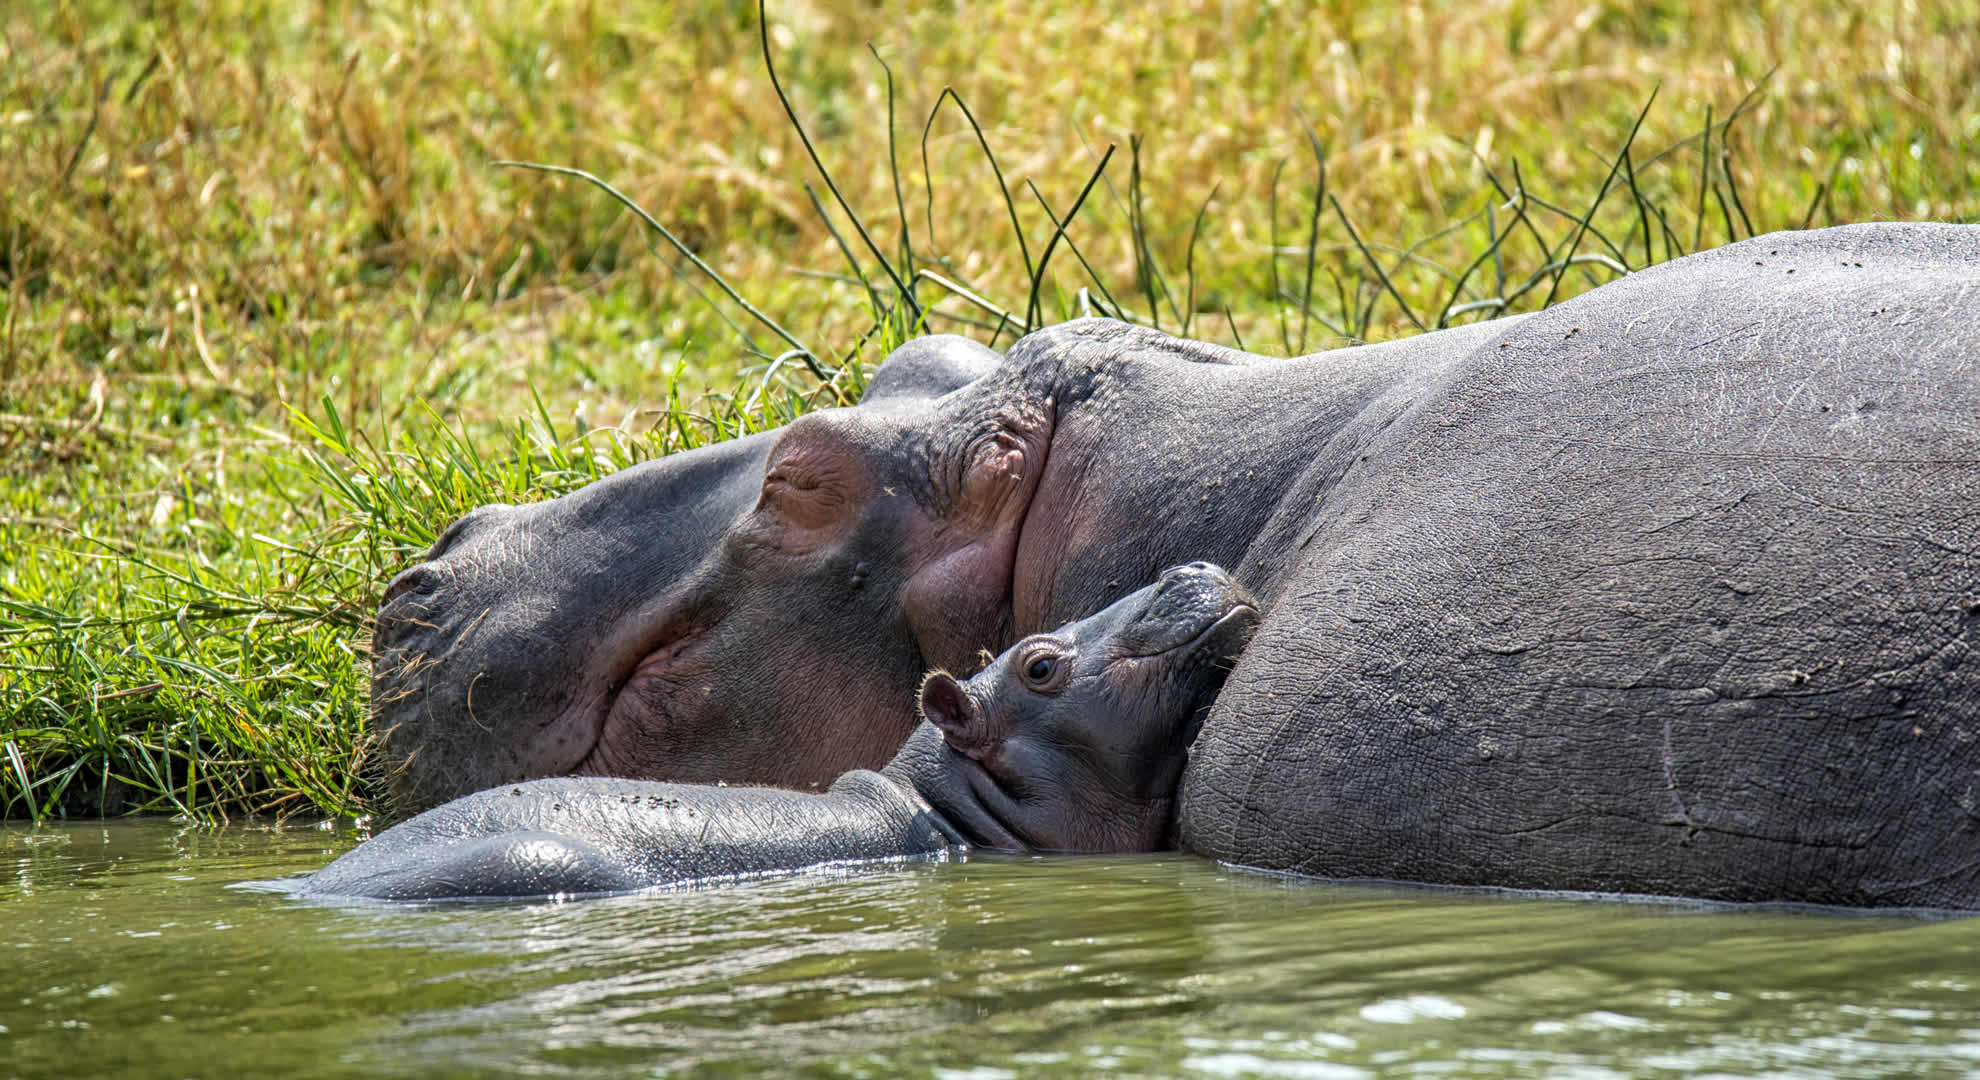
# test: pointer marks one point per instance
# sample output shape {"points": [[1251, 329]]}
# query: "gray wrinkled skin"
{"points": [[1085, 760], [1667, 589]]}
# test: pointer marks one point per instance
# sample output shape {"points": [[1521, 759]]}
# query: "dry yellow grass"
{"points": [[322, 179]]}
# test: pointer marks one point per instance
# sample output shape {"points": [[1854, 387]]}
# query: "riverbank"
{"points": [[275, 313]]}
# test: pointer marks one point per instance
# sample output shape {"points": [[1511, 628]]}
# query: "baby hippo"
{"points": [[1069, 741], [1075, 740]]}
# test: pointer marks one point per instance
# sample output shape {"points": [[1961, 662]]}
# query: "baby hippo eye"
{"points": [[1042, 665]]}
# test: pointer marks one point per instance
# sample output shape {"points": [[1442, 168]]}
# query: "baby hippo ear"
{"points": [[948, 706]]}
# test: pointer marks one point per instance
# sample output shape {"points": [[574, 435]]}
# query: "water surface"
{"points": [[124, 951]]}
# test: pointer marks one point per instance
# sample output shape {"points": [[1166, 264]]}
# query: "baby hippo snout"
{"points": [[1186, 602]]}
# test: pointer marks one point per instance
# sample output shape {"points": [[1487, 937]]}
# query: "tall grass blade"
{"points": [[1497, 302], [859, 273], [957, 289], [1642, 207], [1010, 205], [1189, 255], [1032, 314], [770, 66], [722, 283], [1312, 221], [1704, 181], [1375, 264], [1732, 189], [894, 172], [1144, 273], [1278, 291], [1119, 311], [1821, 192], [21, 773], [1595, 204]]}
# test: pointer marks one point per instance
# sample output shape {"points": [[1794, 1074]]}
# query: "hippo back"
{"points": [[1668, 589]]}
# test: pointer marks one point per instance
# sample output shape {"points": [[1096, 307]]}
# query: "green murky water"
{"points": [[124, 951]]}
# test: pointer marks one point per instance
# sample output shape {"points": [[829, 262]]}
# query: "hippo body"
{"points": [[1669, 591], [1666, 589], [1070, 741]]}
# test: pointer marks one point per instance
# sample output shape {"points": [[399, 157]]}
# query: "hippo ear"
{"points": [[948, 706]]}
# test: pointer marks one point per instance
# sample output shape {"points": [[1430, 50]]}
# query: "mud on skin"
{"points": [[1670, 588], [1069, 741]]}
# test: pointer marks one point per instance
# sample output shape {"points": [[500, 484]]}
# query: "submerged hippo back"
{"points": [[1668, 589]]}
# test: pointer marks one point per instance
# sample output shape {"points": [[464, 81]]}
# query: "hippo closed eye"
{"points": [[1069, 741]]}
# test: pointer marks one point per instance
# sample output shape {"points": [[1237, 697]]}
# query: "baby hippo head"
{"points": [[1075, 740]]}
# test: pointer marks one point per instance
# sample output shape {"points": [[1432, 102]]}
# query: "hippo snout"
{"points": [[414, 598], [1188, 601], [421, 579], [1193, 591], [1195, 575]]}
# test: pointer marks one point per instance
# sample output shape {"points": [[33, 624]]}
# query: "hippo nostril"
{"points": [[421, 579], [1189, 574], [427, 576]]}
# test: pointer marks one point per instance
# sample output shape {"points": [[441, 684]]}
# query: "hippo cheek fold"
{"points": [[958, 789], [1047, 793], [643, 733], [788, 715], [956, 604], [856, 705]]}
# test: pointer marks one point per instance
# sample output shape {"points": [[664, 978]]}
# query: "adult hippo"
{"points": [[1070, 741], [1666, 589]]}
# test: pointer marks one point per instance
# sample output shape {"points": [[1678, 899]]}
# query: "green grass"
{"points": [[273, 311]]}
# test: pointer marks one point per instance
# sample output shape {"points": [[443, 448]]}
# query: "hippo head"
{"points": [[749, 611], [1075, 740]]}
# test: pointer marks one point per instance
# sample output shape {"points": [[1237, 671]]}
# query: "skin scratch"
{"points": [[1671, 780]]}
